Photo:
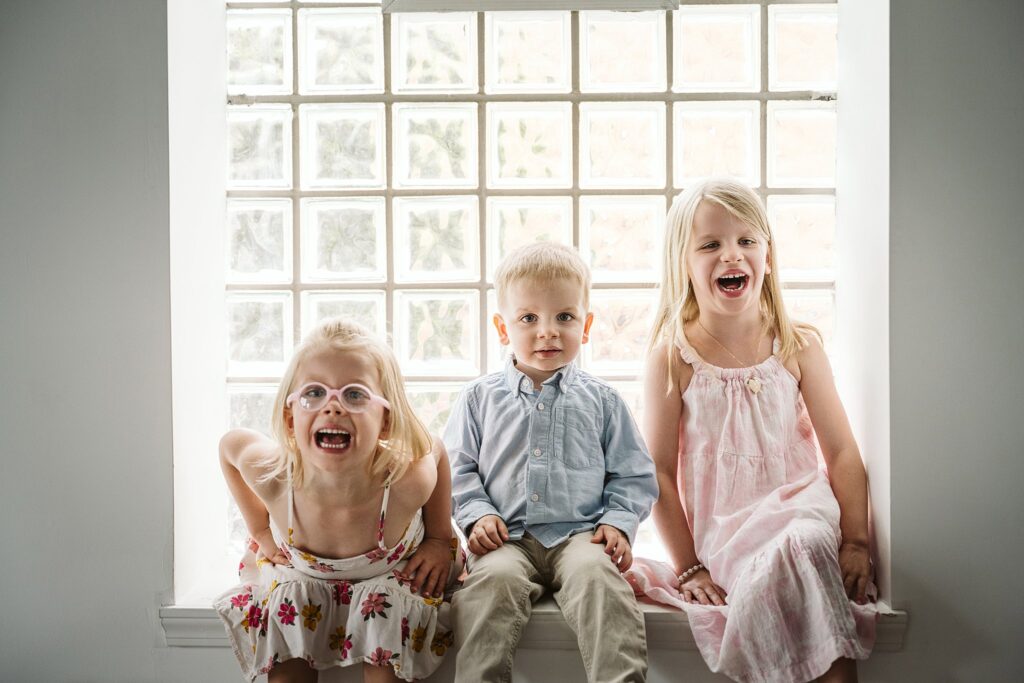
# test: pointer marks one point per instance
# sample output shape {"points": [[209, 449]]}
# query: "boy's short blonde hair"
{"points": [[405, 439], [542, 263]]}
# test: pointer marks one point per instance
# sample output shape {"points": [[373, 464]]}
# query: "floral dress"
{"points": [[336, 612], [765, 523]]}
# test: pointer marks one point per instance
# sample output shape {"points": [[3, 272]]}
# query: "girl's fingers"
{"points": [[701, 596], [687, 596], [862, 586]]}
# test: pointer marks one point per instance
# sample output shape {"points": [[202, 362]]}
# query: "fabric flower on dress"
{"points": [[441, 642], [341, 591], [373, 605], [252, 619], [311, 616], [241, 601], [395, 556], [405, 630], [376, 555], [419, 637], [271, 663], [287, 612], [382, 657], [341, 641]]}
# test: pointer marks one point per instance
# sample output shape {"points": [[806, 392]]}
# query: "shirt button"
{"points": [[540, 406], [537, 451], [535, 498]]}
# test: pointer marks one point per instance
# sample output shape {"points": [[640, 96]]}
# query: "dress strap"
{"points": [[689, 354], [383, 516], [291, 507]]}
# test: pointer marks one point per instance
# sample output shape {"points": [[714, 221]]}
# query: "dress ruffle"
{"points": [[334, 623]]}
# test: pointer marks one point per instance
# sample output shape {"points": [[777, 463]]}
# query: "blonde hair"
{"points": [[678, 305], [407, 439], [542, 263]]}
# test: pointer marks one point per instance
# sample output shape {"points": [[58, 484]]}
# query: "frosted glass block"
{"points": [[364, 307], [341, 51], [804, 227], [342, 145], [432, 402], [801, 144], [621, 237], [803, 50], [251, 406], [438, 332], [259, 247], [816, 307], [259, 333], [497, 352], [259, 45], [527, 52], [716, 49], [259, 147], [716, 139], [435, 145], [514, 222], [648, 543], [434, 52], [529, 145], [618, 336], [622, 144], [622, 51], [437, 239], [343, 240]]}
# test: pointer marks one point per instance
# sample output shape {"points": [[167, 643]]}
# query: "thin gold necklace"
{"points": [[753, 383]]}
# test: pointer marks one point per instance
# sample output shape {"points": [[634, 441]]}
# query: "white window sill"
{"points": [[667, 628]]}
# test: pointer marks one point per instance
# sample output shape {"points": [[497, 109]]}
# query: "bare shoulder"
{"points": [[810, 362], [418, 481], [252, 454], [665, 371]]}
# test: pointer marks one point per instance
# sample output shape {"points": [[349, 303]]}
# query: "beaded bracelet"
{"points": [[690, 572]]}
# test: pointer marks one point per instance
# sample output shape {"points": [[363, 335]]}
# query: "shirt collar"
{"points": [[518, 383]]}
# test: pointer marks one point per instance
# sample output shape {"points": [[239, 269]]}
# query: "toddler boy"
{"points": [[550, 480]]}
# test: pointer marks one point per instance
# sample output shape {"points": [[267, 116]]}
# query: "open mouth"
{"points": [[733, 283], [333, 439]]}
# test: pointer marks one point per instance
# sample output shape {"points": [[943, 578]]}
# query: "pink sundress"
{"points": [[765, 523], [336, 612]]}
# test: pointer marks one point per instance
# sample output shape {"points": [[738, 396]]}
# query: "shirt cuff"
{"points": [[469, 513], [626, 522]]}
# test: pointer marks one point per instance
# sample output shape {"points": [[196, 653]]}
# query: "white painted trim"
{"points": [[667, 628], [517, 5]]}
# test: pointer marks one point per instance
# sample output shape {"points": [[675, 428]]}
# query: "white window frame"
{"points": [[197, 172]]}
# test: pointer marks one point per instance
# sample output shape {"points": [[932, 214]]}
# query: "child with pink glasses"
{"points": [[349, 510]]}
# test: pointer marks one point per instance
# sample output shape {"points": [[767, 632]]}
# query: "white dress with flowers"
{"points": [[333, 612]]}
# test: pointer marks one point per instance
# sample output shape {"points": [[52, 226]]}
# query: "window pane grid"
{"points": [[665, 184]]}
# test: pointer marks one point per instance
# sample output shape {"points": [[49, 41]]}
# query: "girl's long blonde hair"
{"points": [[678, 305], [404, 437]]}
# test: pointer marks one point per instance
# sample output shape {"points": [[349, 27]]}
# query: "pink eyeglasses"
{"points": [[354, 398]]}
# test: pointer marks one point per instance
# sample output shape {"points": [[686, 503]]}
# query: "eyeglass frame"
{"points": [[332, 393]]}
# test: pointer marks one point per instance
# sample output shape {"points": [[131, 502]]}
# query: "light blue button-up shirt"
{"points": [[551, 463]]}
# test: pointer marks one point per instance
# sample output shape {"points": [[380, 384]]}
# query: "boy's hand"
{"points": [[616, 544], [700, 588], [855, 566], [427, 569], [263, 545], [489, 533]]}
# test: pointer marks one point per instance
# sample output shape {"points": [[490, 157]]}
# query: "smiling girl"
{"points": [[767, 534], [349, 513]]}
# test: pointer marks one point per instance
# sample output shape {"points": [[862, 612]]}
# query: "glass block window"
{"points": [[380, 166]]}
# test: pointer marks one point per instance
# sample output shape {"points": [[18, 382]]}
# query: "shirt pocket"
{"points": [[581, 443]]}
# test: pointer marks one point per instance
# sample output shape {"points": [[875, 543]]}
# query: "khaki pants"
{"points": [[490, 611]]}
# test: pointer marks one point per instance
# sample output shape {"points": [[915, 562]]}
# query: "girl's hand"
{"points": [[855, 566], [489, 533], [699, 588], [429, 566], [263, 545], [616, 545]]}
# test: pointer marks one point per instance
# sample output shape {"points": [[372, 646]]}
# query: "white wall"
{"points": [[85, 425]]}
